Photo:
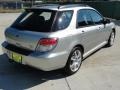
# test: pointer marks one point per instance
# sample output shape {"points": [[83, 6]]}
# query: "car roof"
{"points": [[60, 6]]}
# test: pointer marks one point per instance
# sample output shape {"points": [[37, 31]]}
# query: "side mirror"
{"points": [[106, 20]]}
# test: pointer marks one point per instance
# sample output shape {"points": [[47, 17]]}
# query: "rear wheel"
{"points": [[111, 39], [74, 61]]}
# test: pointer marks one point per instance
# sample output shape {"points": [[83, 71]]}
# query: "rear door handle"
{"points": [[83, 31], [99, 28]]}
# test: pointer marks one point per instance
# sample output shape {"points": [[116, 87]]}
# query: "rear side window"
{"points": [[96, 17], [35, 20], [63, 20], [83, 18]]}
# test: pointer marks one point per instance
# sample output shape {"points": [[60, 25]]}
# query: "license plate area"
{"points": [[16, 57]]}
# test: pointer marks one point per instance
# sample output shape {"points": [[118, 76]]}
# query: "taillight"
{"points": [[46, 44]]}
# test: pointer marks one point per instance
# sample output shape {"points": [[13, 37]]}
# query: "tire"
{"points": [[111, 39], [74, 61]]}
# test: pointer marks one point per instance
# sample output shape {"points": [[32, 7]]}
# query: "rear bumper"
{"points": [[45, 62]]}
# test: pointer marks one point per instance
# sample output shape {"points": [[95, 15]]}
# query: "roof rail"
{"points": [[61, 4], [71, 5]]}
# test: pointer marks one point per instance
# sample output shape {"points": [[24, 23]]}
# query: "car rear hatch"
{"points": [[24, 39], [30, 27]]}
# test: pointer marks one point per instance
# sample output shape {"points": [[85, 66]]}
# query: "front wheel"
{"points": [[74, 61], [111, 39]]}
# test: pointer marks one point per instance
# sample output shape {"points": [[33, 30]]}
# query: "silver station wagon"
{"points": [[57, 36]]}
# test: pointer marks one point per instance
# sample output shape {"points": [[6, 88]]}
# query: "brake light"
{"points": [[46, 44], [48, 41]]}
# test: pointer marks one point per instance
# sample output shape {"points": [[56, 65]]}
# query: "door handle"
{"points": [[83, 31], [100, 28]]}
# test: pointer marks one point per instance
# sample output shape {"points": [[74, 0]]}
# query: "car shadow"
{"points": [[104, 47], [18, 77], [93, 53]]}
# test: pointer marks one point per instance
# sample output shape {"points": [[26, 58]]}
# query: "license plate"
{"points": [[16, 57]]}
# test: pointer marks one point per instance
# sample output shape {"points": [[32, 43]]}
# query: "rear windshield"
{"points": [[35, 20]]}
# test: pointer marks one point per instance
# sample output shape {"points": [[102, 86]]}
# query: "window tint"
{"points": [[96, 17], [63, 19], [83, 18], [35, 20]]}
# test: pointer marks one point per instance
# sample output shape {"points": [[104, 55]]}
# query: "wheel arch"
{"points": [[81, 46], [77, 45]]}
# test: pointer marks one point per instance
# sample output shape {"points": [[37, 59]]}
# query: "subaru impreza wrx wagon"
{"points": [[55, 36]]}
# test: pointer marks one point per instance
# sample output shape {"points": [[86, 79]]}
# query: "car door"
{"points": [[90, 33], [98, 21]]}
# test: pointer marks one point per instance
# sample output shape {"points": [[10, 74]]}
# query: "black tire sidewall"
{"points": [[67, 68], [109, 41]]}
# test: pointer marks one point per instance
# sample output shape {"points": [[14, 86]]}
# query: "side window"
{"points": [[63, 20], [96, 17], [83, 18]]}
